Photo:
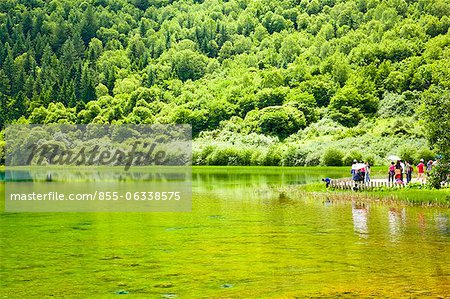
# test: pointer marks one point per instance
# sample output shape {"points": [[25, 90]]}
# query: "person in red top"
{"points": [[420, 171]]}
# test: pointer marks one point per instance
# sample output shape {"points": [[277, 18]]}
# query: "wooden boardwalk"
{"points": [[349, 184]]}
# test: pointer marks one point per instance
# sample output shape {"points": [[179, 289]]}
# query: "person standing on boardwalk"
{"points": [[420, 171], [429, 167], [391, 172], [363, 172], [398, 173], [409, 171], [367, 178], [402, 165]]}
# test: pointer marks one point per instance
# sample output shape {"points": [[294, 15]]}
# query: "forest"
{"points": [[262, 82]]}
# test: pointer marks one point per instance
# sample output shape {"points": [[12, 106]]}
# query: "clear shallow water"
{"points": [[240, 241]]}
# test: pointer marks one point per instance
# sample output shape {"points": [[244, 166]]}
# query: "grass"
{"points": [[423, 197], [415, 196], [412, 196]]}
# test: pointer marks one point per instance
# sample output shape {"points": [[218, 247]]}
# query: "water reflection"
{"points": [[327, 202], [397, 220], [93, 174], [442, 223], [261, 177], [360, 212], [261, 187], [422, 222], [17, 176]]}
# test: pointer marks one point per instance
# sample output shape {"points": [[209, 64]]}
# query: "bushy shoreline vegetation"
{"points": [[262, 82], [322, 143]]}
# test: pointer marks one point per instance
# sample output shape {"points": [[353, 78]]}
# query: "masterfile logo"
{"points": [[88, 168]]}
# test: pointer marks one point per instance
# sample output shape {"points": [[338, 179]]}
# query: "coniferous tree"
{"points": [[27, 23], [19, 78], [87, 84], [59, 36], [88, 25], [3, 110], [18, 106], [8, 64], [5, 83], [333, 61]]}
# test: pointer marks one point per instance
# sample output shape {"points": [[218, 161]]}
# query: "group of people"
{"points": [[360, 171], [400, 170]]}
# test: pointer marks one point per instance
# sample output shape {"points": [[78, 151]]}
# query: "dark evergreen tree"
{"points": [[8, 64], [87, 84], [88, 25], [5, 83]]}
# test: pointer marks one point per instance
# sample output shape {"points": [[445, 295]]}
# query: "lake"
{"points": [[241, 240]]}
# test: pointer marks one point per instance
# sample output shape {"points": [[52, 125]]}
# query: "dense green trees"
{"points": [[436, 111], [280, 121], [278, 66], [189, 65]]}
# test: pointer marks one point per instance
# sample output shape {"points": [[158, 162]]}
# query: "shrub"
{"points": [[200, 155], [325, 126], [370, 158], [439, 173], [257, 158], [218, 157], [272, 157], [352, 155], [394, 104], [313, 159], [332, 157], [270, 97], [347, 116], [280, 121], [408, 153], [229, 156], [294, 156], [242, 158], [424, 153], [350, 132], [2, 151]]}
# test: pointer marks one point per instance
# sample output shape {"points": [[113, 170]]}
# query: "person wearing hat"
{"points": [[420, 171]]}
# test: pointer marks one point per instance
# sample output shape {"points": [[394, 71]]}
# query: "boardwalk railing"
{"points": [[349, 184]]}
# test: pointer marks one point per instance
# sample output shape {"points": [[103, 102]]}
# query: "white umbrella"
{"points": [[358, 166], [394, 158]]}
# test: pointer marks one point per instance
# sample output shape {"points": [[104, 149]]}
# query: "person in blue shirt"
{"points": [[327, 181]]}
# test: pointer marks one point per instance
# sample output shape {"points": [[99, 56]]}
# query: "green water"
{"points": [[241, 240]]}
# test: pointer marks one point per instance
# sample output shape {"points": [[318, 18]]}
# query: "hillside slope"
{"points": [[303, 74]]}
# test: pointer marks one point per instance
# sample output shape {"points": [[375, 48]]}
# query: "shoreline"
{"points": [[404, 196]]}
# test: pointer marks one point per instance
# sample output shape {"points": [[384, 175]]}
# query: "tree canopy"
{"points": [[277, 65]]}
